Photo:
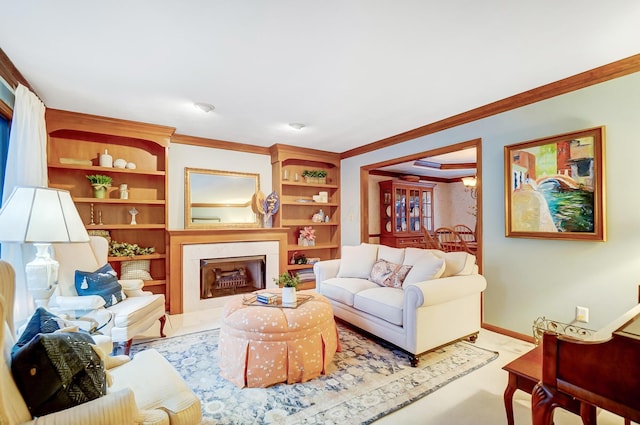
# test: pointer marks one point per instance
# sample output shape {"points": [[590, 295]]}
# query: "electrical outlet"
{"points": [[582, 314]]}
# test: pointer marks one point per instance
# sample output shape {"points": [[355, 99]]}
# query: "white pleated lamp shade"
{"points": [[41, 215]]}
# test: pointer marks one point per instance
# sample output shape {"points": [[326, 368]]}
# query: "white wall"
{"points": [[182, 156], [528, 278]]}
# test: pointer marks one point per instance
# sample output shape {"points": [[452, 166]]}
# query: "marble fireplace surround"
{"points": [[186, 245]]}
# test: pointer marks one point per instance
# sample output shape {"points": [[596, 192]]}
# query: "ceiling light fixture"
{"points": [[204, 107], [297, 126]]}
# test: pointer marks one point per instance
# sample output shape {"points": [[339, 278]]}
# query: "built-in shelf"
{"points": [[288, 161], [82, 139], [95, 169], [106, 226], [316, 246], [119, 201], [138, 257], [305, 223], [304, 184]]}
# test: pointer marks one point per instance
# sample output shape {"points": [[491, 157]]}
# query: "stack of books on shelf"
{"points": [[312, 260], [306, 275], [267, 298]]}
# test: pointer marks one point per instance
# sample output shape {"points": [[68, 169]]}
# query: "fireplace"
{"points": [[220, 277], [212, 255]]}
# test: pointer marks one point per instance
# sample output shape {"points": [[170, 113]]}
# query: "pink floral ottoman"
{"points": [[262, 346]]}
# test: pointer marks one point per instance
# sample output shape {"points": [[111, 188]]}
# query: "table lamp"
{"points": [[41, 216]]}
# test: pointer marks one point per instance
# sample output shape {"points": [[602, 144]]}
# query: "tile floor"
{"points": [[475, 399]]}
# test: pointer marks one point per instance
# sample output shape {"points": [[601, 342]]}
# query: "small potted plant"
{"points": [[322, 176], [100, 185], [289, 283], [315, 176]]}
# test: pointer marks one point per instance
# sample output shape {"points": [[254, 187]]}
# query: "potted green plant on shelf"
{"points": [[100, 184], [289, 282], [315, 176]]}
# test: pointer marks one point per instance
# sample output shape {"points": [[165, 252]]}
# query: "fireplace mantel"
{"points": [[179, 238]]}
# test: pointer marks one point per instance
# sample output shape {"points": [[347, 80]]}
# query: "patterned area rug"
{"points": [[368, 380]]}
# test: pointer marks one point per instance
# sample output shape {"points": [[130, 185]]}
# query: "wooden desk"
{"points": [[600, 372], [524, 373]]}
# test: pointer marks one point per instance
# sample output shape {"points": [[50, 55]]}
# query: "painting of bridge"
{"points": [[554, 186]]}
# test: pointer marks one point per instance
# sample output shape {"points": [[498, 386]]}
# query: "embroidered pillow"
{"points": [[388, 274], [102, 282], [136, 269]]}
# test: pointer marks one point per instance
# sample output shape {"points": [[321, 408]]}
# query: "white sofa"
{"points": [[439, 300], [146, 390]]}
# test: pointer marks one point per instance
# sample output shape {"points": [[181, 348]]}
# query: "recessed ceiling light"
{"points": [[297, 125], [204, 107]]}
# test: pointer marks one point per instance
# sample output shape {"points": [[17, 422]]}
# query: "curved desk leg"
{"points": [[508, 398]]}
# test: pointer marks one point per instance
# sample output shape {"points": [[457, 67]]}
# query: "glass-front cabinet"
{"points": [[405, 207]]}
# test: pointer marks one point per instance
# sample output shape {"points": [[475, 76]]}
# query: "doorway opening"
{"points": [[453, 163]]}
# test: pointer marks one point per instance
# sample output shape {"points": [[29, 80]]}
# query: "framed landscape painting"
{"points": [[554, 187]]}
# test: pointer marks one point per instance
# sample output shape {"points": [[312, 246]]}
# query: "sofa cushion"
{"points": [[102, 282], [385, 303], [391, 254], [427, 267], [386, 273], [457, 263], [412, 255], [343, 289], [358, 260]]}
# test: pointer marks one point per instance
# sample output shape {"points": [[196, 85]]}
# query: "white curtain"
{"points": [[26, 166]]}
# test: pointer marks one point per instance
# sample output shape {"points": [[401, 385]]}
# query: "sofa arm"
{"points": [[326, 269], [438, 291], [115, 408]]}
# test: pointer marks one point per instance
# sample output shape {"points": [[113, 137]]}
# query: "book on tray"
{"points": [[267, 298]]}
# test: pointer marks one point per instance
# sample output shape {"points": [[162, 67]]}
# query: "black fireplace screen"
{"points": [[232, 275]]}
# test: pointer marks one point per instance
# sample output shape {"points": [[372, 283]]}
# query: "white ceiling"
{"points": [[464, 156], [353, 71]]}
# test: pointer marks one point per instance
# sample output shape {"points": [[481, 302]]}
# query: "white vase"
{"points": [[106, 160], [289, 296]]}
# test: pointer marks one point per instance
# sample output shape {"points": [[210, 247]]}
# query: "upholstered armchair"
{"points": [[146, 390], [123, 320]]}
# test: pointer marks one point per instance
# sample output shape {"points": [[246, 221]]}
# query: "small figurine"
{"points": [[270, 207], [133, 211]]}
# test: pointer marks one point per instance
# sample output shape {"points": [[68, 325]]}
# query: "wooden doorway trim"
{"points": [[364, 186]]}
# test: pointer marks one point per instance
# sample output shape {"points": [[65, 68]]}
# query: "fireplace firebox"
{"points": [[221, 277]]}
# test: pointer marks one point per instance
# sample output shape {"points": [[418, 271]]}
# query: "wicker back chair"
{"points": [[465, 232], [451, 241], [429, 241]]}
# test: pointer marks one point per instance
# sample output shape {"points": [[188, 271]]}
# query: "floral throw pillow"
{"points": [[388, 274]]}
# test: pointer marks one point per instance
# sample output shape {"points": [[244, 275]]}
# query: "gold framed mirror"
{"points": [[214, 198]]}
